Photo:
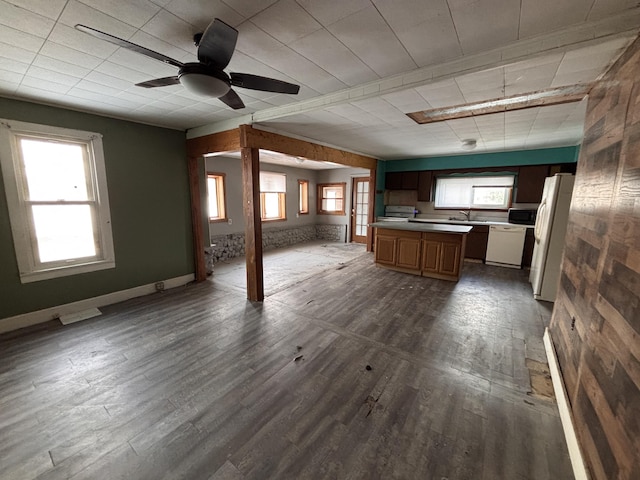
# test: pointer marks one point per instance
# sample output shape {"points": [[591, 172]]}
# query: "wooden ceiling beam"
{"points": [[227, 141], [253, 138], [541, 98]]}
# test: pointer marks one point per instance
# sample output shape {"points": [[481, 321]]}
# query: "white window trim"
{"points": [[29, 269]]}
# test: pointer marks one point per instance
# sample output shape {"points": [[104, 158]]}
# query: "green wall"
{"points": [[150, 211], [498, 159]]}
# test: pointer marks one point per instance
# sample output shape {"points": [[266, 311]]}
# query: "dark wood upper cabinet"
{"points": [[410, 180], [530, 183], [393, 181], [401, 181], [425, 179]]}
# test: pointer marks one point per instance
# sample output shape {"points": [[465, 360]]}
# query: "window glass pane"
{"points": [[271, 205], [63, 232], [55, 171], [212, 186], [474, 191], [495, 196]]}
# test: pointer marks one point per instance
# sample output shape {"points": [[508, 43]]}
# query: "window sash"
{"points": [[273, 182], [303, 196], [216, 198], [272, 206]]}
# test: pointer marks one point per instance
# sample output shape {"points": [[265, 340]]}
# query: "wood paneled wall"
{"points": [[596, 320]]}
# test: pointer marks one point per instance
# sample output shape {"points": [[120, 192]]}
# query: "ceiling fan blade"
{"points": [[232, 99], [217, 44], [128, 45], [159, 82], [266, 84]]}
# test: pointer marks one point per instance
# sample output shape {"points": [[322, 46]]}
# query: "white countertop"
{"points": [[423, 227], [464, 222]]}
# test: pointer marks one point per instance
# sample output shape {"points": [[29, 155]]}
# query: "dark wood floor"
{"points": [[198, 383]]}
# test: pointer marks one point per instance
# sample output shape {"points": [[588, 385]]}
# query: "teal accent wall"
{"points": [[498, 159], [150, 211], [380, 180]]}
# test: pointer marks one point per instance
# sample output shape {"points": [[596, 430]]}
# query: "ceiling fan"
{"points": [[205, 77]]}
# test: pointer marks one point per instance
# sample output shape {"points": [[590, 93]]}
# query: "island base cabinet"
{"points": [[437, 255]]}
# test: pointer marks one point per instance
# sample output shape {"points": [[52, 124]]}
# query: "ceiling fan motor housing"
{"points": [[204, 80]]}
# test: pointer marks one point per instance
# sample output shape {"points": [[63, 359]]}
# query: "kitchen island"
{"points": [[427, 249]]}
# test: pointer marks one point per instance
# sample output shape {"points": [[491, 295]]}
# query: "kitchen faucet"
{"points": [[466, 214]]}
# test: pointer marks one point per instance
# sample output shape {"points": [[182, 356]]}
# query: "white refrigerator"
{"points": [[550, 230]]}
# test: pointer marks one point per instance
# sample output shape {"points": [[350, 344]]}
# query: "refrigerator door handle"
{"points": [[539, 220]]}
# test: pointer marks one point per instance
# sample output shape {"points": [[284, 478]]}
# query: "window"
{"points": [[331, 198], [216, 197], [56, 190], [273, 188], [303, 196], [481, 192]]}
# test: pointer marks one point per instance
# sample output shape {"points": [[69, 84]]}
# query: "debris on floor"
{"points": [[368, 367], [298, 358], [541, 384]]}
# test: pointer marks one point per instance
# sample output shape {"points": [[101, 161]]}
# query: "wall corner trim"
{"points": [[575, 454], [40, 316]]}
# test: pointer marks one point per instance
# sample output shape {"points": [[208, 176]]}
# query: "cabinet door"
{"points": [[431, 256], [408, 254], [531, 183], [393, 180], [424, 186], [385, 249], [477, 243], [409, 180], [449, 258]]}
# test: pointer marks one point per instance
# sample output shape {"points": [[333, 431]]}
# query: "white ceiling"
{"points": [[361, 64]]}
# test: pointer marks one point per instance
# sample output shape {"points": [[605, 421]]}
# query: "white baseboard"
{"points": [[52, 313], [577, 462]]}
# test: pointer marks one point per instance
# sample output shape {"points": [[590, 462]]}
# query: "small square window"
{"points": [[273, 187], [331, 198], [216, 197]]}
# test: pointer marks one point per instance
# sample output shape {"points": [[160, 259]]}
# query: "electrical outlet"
{"points": [[159, 286], [230, 222]]}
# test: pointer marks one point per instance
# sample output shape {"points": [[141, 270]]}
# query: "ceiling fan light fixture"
{"points": [[205, 85], [469, 144]]}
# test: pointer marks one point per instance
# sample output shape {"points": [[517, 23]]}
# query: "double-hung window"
{"points": [[331, 198], [273, 189], [56, 189], [478, 192]]}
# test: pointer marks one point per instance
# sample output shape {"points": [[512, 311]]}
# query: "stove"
{"points": [[397, 213]]}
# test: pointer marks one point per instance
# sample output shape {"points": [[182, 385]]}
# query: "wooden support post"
{"points": [[196, 218], [252, 222]]}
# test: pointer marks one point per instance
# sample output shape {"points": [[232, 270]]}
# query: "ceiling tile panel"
{"points": [[47, 8], [173, 30], [11, 77], [14, 66], [45, 84], [201, 13], [108, 80], [135, 61], [257, 44], [58, 77], [603, 8], [407, 101], [387, 57], [16, 53], [248, 8], [160, 46], [531, 76], [121, 72], [327, 52], [133, 12], [328, 13], [442, 94], [69, 55], [543, 16], [286, 21], [480, 86], [425, 29], [20, 39], [76, 12], [57, 65], [485, 25], [24, 20], [77, 40], [105, 90]]}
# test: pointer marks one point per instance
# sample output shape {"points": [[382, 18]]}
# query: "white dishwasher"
{"points": [[505, 246]]}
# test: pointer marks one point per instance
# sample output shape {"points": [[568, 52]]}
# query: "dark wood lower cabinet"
{"points": [[477, 243]]}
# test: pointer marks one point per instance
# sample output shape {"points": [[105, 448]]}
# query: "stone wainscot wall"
{"points": [[230, 246]]}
